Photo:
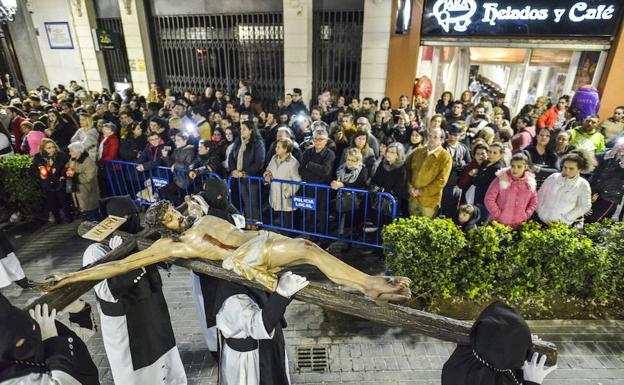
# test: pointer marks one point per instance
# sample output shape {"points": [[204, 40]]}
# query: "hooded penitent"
{"points": [[500, 342], [122, 206], [20, 340]]}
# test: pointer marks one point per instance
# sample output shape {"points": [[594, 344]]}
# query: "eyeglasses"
{"points": [[319, 139]]}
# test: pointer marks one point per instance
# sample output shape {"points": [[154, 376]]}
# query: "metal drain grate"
{"points": [[312, 359]]}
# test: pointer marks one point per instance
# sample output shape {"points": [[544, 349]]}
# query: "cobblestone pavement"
{"points": [[359, 351]]}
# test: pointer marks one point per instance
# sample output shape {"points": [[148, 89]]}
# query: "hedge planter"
{"points": [[19, 188], [547, 272]]}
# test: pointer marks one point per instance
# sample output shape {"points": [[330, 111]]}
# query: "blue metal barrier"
{"points": [[144, 186], [348, 215], [314, 209]]}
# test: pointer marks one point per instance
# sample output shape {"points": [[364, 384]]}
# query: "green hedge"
{"points": [[533, 265], [19, 188]]}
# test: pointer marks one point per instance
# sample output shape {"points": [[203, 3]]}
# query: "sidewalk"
{"points": [[358, 351]]}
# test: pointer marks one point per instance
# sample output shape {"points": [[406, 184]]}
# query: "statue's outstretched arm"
{"points": [[159, 251]]}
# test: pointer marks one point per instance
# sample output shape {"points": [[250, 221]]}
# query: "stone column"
{"points": [[375, 45], [84, 20], [138, 45], [298, 47]]}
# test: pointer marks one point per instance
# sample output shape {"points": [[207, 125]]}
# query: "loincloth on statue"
{"points": [[252, 259]]}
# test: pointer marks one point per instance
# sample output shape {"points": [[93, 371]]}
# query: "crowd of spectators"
{"points": [[471, 161]]}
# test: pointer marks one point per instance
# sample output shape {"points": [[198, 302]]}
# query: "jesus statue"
{"points": [[256, 255]]}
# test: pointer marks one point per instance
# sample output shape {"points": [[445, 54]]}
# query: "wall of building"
{"points": [[25, 42], [61, 65], [403, 54], [375, 44], [613, 77]]}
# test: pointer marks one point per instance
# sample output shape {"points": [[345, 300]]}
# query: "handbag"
{"points": [[384, 205], [71, 185], [348, 202]]}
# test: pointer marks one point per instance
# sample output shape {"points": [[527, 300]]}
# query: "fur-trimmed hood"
{"points": [[505, 177]]}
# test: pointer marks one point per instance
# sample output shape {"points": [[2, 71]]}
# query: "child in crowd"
{"points": [[511, 199], [468, 217]]}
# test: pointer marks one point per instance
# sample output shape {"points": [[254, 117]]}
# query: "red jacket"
{"points": [[17, 133], [548, 118], [109, 150]]}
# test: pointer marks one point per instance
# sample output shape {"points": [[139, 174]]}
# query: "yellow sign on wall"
{"points": [[137, 65]]}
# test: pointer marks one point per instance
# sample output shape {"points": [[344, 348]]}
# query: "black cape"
{"points": [[500, 337]]}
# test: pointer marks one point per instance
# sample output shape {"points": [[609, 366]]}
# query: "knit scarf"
{"points": [[345, 175]]}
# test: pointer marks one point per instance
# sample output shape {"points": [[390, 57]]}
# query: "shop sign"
{"points": [[107, 39], [521, 17]]}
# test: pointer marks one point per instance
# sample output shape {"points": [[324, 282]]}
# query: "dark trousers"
{"points": [[57, 201], [450, 201], [600, 210], [283, 218], [251, 201], [316, 220]]}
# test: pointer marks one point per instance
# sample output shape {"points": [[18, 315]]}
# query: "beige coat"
{"points": [[282, 193], [87, 196]]}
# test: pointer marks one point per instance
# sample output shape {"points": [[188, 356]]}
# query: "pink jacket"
{"points": [[34, 141], [511, 200]]}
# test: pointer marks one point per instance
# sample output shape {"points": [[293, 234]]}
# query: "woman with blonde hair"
{"points": [[87, 135], [49, 165]]}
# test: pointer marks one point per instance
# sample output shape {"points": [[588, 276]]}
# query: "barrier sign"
{"points": [[159, 182], [304, 203], [531, 18]]}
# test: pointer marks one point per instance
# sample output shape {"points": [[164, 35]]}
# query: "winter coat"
{"points": [[62, 134], [32, 140], [56, 174], [611, 129], [282, 193], [484, 178], [87, 195], [510, 200], [548, 118], [130, 148], [587, 100], [15, 128], [429, 174], [204, 164], [89, 140], [253, 157], [591, 141], [460, 158], [317, 167], [108, 149], [391, 178], [522, 139], [548, 163], [151, 157], [180, 159], [608, 177], [465, 180], [563, 200], [472, 222]]}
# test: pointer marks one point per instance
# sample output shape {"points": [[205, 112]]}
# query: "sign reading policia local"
{"points": [[530, 18]]}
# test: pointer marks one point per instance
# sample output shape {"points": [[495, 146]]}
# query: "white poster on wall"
{"points": [[59, 35]]}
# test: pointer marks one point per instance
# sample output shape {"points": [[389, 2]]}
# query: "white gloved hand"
{"points": [[45, 320], [115, 242], [290, 283], [536, 371]]}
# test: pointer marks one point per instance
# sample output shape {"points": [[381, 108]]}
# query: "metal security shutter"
{"points": [[116, 60], [337, 51], [197, 51]]}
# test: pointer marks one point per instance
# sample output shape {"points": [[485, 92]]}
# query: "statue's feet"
{"points": [[52, 282], [390, 289]]}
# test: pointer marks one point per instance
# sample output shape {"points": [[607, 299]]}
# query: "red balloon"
{"points": [[423, 87]]}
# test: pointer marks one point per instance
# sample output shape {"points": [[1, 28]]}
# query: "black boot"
{"points": [[25, 283]]}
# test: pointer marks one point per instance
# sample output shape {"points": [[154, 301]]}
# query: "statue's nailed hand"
{"points": [[290, 283]]}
